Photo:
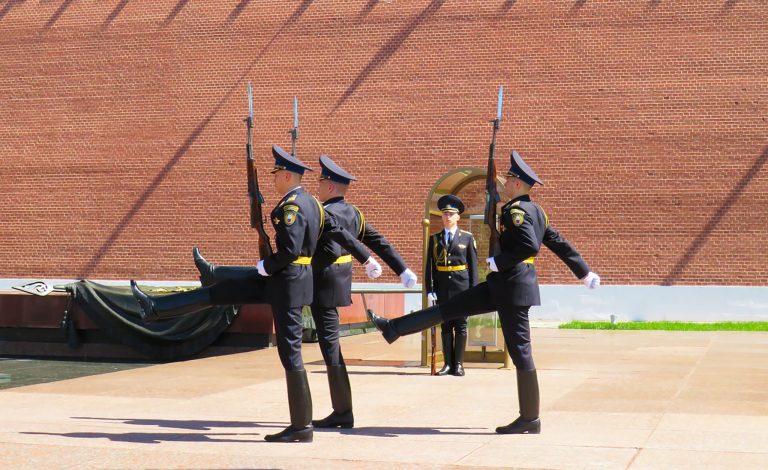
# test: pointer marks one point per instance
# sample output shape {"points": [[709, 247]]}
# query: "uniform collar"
{"points": [[333, 199], [453, 232], [294, 190], [524, 197]]}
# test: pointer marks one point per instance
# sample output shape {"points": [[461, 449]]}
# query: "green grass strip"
{"points": [[667, 325]]}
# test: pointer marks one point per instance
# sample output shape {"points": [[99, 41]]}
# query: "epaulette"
{"points": [[293, 196]]}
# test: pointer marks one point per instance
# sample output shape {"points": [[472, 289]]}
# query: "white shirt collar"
{"points": [[453, 232]]}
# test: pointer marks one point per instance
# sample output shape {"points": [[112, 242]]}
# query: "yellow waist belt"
{"points": [[529, 260], [303, 260], [443, 269], [343, 259]]}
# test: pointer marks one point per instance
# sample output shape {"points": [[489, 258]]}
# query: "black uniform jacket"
{"points": [[299, 220], [443, 275], [524, 228], [330, 266]]}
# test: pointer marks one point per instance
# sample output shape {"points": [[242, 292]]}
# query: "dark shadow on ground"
{"points": [[392, 431], [149, 437], [193, 425]]}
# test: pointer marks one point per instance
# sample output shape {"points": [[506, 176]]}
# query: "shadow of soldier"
{"points": [[151, 438], [195, 425], [394, 431]]}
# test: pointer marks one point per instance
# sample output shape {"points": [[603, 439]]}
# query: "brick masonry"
{"points": [[122, 142]]}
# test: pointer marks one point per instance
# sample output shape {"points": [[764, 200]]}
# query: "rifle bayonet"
{"points": [[295, 131], [491, 192], [254, 194]]}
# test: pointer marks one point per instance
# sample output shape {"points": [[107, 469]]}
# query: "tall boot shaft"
{"points": [[448, 352], [528, 393], [154, 308], [203, 267], [528, 396], [211, 274], [341, 399], [341, 390], [300, 407], [458, 355], [299, 398]]}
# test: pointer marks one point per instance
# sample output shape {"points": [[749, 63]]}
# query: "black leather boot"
{"points": [[407, 324], [211, 274], [458, 355], [204, 268], [170, 306], [300, 407], [448, 351], [341, 399], [528, 397]]}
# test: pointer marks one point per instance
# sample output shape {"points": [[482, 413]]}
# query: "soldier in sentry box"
{"points": [[451, 268]]}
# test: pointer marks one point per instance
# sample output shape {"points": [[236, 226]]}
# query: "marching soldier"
{"points": [[332, 270], [283, 279], [512, 288], [451, 268], [332, 282]]}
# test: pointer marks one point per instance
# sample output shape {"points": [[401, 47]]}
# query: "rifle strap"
{"points": [[361, 234], [322, 216]]}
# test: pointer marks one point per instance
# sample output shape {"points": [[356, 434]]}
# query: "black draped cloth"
{"points": [[116, 313]]}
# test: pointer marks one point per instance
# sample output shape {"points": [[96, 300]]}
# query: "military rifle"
{"points": [[295, 131], [491, 192], [255, 196]]}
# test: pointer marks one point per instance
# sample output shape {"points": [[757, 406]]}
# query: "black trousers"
{"points": [[289, 325], [327, 323], [514, 320], [250, 289], [455, 327], [289, 328]]}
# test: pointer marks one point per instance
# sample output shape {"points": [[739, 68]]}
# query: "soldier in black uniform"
{"points": [[284, 279], [511, 289], [332, 270], [451, 268], [332, 282]]}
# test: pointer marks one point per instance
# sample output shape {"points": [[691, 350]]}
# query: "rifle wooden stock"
{"points": [[256, 198]]}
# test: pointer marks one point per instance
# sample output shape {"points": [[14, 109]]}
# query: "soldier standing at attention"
{"points": [[511, 289], [332, 271], [283, 279], [451, 268]]}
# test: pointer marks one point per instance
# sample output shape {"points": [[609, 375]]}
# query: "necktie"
{"points": [[450, 238]]}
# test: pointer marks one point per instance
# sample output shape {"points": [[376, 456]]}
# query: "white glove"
{"points": [[260, 268], [372, 268], [591, 280], [408, 278], [492, 264], [432, 297]]}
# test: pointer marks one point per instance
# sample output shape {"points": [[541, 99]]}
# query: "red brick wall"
{"points": [[122, 142]]}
